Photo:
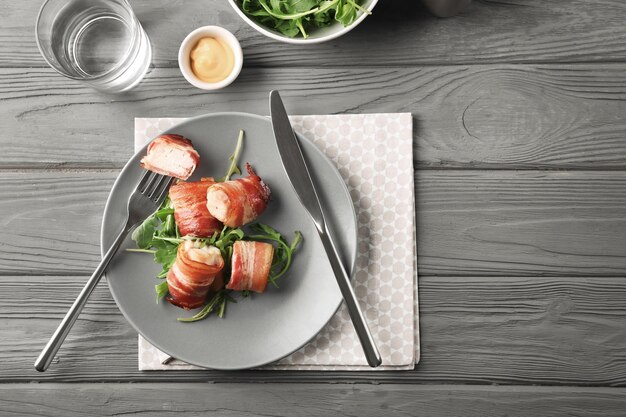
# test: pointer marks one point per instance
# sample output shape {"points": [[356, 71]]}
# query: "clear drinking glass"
{"points": [[100, 42]]}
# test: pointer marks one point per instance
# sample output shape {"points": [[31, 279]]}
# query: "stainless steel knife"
{"points": [[298, 173]]}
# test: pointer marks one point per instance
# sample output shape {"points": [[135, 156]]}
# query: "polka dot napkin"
{"points": [[374, 154]]}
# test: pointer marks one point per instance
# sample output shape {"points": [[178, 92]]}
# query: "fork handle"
{"points": [[53, 345]]}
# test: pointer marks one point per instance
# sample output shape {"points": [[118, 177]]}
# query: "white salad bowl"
{"points": [[327, 33]]}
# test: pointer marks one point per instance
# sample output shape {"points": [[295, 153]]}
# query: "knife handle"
{"points": [[356, 315]]}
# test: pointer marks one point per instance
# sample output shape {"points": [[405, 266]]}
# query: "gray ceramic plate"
{"points": [[265, 327]]}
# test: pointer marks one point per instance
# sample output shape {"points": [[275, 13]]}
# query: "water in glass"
{"points": [[98, 41]]}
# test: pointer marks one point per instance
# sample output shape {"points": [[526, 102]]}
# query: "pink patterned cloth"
{"points": [[374, 155]]}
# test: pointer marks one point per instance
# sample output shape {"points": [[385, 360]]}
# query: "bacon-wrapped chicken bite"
{"points": [[171, 155], [192, 274], [250, 266], [190, 210], [238, 202]]}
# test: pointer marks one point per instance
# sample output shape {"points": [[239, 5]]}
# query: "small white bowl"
{"points": [[184, 61], [324, 34]]}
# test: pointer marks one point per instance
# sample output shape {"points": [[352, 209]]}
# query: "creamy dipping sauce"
{"points": [[212, 60]]}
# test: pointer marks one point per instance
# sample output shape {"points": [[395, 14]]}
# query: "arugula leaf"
{"points": [[169, 226], [161, 290], [279, 14], [164, 216], [234, 158], [218, 302], [174, 240], [226, 240], [163, 213], [166, 256], [345, 13], [143, 234]]}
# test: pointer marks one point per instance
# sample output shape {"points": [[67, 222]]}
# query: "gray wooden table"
{"points": [[520, 149]]}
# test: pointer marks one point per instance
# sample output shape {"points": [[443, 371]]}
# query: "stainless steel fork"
{"points": [[145, 199]]}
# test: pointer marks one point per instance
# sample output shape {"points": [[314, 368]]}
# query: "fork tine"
{"points": [[149, 183], [143, 180], [156, 190], [164, 190], [153, 185]]}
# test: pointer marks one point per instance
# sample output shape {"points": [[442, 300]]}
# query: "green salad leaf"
{"points": [[233, 168], [143, 234], [154, 234], [296, 17], [161, 290], [216, 303]]}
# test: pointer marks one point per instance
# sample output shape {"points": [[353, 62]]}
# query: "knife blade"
{"points": [[300, 177]]}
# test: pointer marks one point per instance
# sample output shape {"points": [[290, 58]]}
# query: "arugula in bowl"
{"points": [[295, 18]]}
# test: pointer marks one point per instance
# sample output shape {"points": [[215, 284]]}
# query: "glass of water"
{"points": [[100, 42]]}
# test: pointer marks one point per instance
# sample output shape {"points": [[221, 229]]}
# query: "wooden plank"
{"points": [[521, 222], [495, 116], [52, 221], [67, 400], [469, 222], [398, 33], [508, 330]]}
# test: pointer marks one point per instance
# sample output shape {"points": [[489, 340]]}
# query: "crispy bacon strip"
{"points": [[171, 155], [192, 275], [190, 210], [251, 263], [239, 201]]}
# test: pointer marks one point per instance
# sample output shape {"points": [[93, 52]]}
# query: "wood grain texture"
{"points": [[495, 116], [521, 222], [304, 400], [486, 330], [469, 222], [399, 32], [52, 222]]}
